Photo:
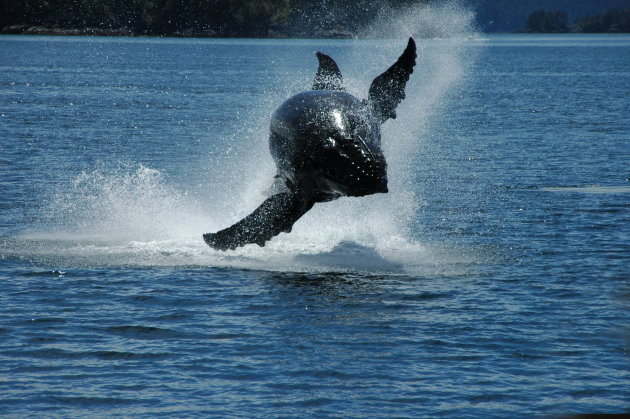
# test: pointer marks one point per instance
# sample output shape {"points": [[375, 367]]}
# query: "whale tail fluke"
{"points": [[275, 215]]}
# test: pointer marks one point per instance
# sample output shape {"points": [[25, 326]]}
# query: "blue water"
{"points": [[492, 281]]}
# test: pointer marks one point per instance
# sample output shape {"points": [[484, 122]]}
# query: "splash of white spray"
{"points": [[141, 217], [124, 204], [382, 222]]}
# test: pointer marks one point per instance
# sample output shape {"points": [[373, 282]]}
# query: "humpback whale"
{"points": [[326, 144]]}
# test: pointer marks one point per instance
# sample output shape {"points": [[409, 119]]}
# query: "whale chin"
{"points": [[338, 188], [353, 176]]}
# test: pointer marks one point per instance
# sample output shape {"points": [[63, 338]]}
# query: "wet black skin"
{"points": [[326, 144]]}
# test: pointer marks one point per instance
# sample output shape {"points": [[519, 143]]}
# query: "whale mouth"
{"points": [[353, 169], [350, 187]]}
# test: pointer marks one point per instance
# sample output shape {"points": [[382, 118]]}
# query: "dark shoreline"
{"points": [[43, 30], [336, 33]]}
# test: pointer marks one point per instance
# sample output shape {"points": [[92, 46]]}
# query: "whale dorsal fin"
{"points": [[328, 76], [388, 89]]}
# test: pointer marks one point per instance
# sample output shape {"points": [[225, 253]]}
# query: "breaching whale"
{"points": [[326, 144]]}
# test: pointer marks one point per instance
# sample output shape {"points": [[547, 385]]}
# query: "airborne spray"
{"points": [[351, 230], [132, 214]]}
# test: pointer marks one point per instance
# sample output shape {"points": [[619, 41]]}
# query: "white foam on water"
{"points": [[132, 216]]}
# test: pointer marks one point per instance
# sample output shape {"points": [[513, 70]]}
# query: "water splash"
{"points": [[125, 204], [436, 20], [131, 215]]}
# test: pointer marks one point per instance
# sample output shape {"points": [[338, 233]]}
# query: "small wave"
{"points": [[91, 401], [44, 274], [351, 256], [121, 355], [54, 354], [594, 189], [143, 332]]}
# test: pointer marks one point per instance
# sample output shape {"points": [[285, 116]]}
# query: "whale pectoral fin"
{"points": [[388, 89], [275, 215], [328, 76]]}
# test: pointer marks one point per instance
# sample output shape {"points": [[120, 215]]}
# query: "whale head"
{"points": [[329, 142]]}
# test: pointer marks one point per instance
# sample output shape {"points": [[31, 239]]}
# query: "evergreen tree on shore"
{"points": [[234, 18], [551, 22], [612, 21]]}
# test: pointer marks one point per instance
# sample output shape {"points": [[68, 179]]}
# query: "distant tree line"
{"points": [[223, 18], [611, 21], [510, 15], [547, 22], [288, 18]]}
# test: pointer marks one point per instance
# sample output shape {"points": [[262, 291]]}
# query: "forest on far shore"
{"points": [[285, 18], [611, 21], [212, 18]]}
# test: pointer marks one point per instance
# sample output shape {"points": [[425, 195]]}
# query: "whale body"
{"points": [[326, 144]]}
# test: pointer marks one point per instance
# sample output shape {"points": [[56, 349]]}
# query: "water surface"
{"points": [[492, 280]]}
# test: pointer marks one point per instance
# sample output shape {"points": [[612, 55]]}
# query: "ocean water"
{"points": [[492, 281]]}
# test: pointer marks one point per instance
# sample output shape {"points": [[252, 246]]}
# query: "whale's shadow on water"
{"points": [[348, 255]]}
